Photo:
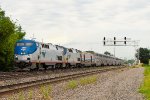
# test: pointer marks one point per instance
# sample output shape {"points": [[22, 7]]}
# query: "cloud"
{"points": [[82, 24]]}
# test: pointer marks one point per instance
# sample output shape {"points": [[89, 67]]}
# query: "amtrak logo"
{"points": [[23, 48]]}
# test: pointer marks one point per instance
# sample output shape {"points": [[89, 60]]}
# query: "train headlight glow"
{"points": [[28, 58], [16, 57]]}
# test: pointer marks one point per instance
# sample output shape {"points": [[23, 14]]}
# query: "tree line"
{"points": [[10, 32], [144, 55]]}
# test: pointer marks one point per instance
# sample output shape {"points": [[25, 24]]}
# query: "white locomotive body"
{"points": [[34, 55]]}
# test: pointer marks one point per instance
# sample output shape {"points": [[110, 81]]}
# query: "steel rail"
{"points": [[13, 87]]}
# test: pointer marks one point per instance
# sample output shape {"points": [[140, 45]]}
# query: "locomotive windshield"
{"points": [[28, 44], [24, 44], [20, 44]]}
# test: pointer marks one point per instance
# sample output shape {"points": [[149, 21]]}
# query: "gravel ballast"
{"points": [[121, 84], [112, 85], [10, 78]]}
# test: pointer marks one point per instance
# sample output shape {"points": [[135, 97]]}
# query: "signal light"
{"points": [[114, 40], [104, 40], [125, 40]]}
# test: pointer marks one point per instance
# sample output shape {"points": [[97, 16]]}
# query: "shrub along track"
{"points": [[21, 85]]}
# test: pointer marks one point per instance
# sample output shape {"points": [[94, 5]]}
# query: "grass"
{"points": [[88, 80], [137, 66], [145, 88], [46, 91], [21, 96], [11, 98], [72, 84], [82, 81], [30, 94]]}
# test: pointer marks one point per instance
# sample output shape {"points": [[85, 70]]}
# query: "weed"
{"points": [[83, 81], [49, 88], [21, 96], [72, 84], [11, 98], [30, 95], [88, 80], [46, 91]]}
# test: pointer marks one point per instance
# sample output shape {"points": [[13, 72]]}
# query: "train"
{"points": [[30, 54]]}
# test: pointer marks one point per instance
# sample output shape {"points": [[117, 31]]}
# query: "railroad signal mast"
{"points": [[125, 40], [122, 42]]}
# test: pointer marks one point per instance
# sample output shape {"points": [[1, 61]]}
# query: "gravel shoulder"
{"points": [[112, 85]]}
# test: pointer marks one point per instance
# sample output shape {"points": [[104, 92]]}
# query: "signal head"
{"points": [[104, 38], [125, 38], [114, 38]]}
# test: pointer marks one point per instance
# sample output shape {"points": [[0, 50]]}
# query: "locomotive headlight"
{"points": [[28, 56], [16, 56]]}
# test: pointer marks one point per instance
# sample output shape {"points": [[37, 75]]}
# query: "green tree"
{"points": [[90, 52], [108, 53], [143, 55], [9, 34]]}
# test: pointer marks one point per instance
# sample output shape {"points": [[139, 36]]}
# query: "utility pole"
{"points": [[122, 42], [114, 51]]}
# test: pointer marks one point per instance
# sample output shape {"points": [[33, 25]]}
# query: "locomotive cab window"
{"points": [[20, 44], [28, 44], [24, 44]]}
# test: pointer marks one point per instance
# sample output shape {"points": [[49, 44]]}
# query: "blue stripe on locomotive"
{"points": [[25, 50]]}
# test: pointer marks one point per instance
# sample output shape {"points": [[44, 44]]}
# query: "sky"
{"points": [[82, 24]]}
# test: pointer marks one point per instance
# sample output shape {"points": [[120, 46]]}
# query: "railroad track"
{"points": [[17, 86], [18, 75]]}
